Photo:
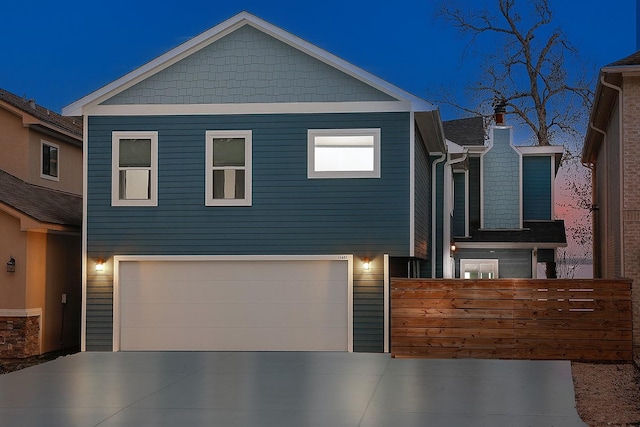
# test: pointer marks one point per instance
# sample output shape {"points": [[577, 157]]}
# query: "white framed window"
{"points": [[134, 176], [49, 160], [479, 268], [228, 168], [343, 153]]}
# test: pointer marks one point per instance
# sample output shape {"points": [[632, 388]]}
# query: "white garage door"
{"points": [[238, 304]]}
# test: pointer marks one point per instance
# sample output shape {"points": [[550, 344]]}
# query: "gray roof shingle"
{"points": [[633, 59], [469, 131], [72, 125], [44, 205]]}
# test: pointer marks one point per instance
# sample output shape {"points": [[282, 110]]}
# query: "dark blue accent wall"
{"points": [[459, 205], [474, 191], [536, 187], [290, 213], [422, 198]]}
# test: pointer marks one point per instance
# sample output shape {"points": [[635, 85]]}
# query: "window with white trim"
{"points": [[49, 160], [479, 268], [228, 168], [343, 153], [134, 179]]}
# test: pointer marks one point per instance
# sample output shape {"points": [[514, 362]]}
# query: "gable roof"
{"points": [[468, 131], [227, 27], [41, 204], [70, 125]]}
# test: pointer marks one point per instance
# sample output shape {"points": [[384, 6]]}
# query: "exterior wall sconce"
{"points": [[453, 247], [11, 265], [366, 263], [99, 264]]}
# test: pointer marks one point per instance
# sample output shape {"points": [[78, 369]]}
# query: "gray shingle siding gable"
{"points": [[248, 66], [501, 189], [290, 213]]}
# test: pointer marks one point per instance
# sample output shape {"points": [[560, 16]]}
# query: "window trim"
{"points": [[248, 167], [116, 136], [494, 261], [313, 133], [42, 174]]}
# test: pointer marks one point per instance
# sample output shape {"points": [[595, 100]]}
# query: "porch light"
{"points": [[453, 247], [99, 264], [366, 263], [11, 265]]}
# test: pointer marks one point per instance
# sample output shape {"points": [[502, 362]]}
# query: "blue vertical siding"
{"points": [[459, 205], [422, 198], [536, 188], [474, 191]]}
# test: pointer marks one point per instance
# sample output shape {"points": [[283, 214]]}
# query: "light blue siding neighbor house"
{"points": [[250, 191], [498, 218]]}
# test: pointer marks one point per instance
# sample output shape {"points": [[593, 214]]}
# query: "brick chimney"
{"points": [[500, 111]]}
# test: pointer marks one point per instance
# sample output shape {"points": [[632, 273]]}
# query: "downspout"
{"points": [[446, 214], [621, 168], [434, 168], [595, 217]]}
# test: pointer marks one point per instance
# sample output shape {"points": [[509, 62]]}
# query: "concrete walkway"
{"points": [[286, 389]]}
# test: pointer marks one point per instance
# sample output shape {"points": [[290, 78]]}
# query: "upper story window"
{"points": [[343, 153], [134, 169], [49, 160], [228, 168]]}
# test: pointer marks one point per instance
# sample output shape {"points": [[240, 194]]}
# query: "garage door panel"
{"points": [[241, 339], [234, 305], [165, 291], [233, 315]]}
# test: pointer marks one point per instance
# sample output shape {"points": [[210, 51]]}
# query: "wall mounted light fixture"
{"points": [[99, 264], [11, 265], [453, 247], [366, 263]]}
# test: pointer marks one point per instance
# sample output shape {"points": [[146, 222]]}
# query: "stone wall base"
{"points": [[19, 337]]}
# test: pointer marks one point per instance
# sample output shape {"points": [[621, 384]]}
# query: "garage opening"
{"points": [[233, 303]]}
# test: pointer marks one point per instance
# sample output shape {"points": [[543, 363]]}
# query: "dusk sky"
{"points": [[57, 52]]}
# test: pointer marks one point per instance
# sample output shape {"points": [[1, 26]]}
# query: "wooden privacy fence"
{"points": [[512, 319]]}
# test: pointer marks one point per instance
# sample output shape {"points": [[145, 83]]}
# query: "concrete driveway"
{"points": [[286, 389]]}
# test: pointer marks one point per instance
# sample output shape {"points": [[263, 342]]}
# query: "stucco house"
{"points": [[248, 190], [613, 134], [497, 201], [40, 226]]}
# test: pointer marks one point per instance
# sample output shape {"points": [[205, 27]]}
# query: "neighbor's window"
{"points": [[343, 153], [479, 268], [49, 157], [135, 169], [228, 168]]}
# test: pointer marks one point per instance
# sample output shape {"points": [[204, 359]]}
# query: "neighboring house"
{"points": [[40, 226], [498, 202], [250, 191], [611, 152]]}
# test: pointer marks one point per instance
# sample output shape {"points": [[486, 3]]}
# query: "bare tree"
{"points": [[524, 67]]}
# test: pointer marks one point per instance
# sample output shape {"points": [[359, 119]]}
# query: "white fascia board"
{"points": [[540, 150], [453, 148], [204, 39], [246, 108]]}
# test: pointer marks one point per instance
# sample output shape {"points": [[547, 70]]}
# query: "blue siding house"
{"points": [[250, 191], [498, 216]]}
